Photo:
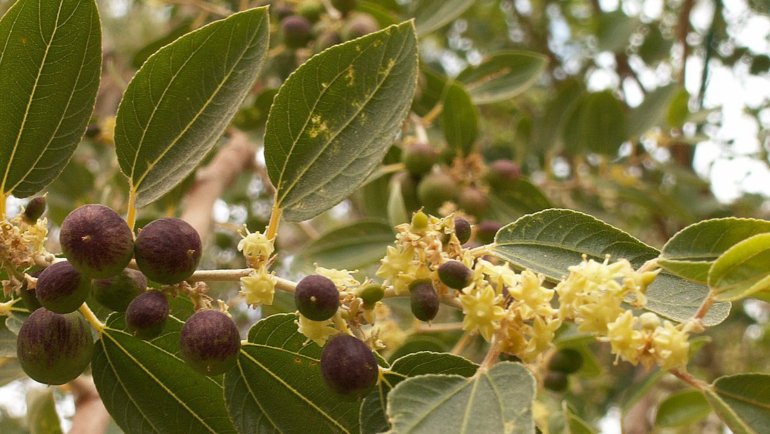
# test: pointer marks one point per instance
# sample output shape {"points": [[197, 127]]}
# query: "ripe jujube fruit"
{"points": [[116, 292], [210, 342], [556, 381], [486, 231], [61, 288], [96, 241], [423, 300], [419, 158], [462, 230], [360, 25], [34, 209], [502, 172], [454, 274], [316, 297], [435, 189], [297, 31], [566, 360], [473, 201], [348, 366], [146, 315], [168, 250], [53, 348]]}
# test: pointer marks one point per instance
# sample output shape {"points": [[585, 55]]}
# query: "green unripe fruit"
{"points": [[556, 381], [419, 158], [473, 201], [282, 10], [435, 189], [462, 230], [210, 342], [344, 6], [54, 348], [146, 315], [29, 295], [327, 39], [455, 274], [423, 300], [408, 185], [348, 366], [311, 10], [168, 250], [371, 295], [34, 209], [360, 25], [61, 288], [96, 241], [317, 298], [297, 31], [502, 172], [419, 222], [116, 292], [566, 360], [486, 231]]}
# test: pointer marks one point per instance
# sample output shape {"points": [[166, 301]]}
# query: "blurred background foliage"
{"points": [[648, 114]]}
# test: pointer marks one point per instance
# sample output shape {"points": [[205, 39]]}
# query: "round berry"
{"points": [[34, 209], [435, 189], [462, 230], [556, 381], [210, 342], [455, 274], [423, 300], [168, 250], [502, 172], [371, 295], [116, 292], [348, 366], [317, 298], [96, 241], [473, 201], [297, 31], [486, 231], [419, 158], [61, 288], [147, 314]]}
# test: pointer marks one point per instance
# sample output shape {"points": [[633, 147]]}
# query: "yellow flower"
{"points": [[256, 248], [398, 268], [670, 346], [533, 299], [625, 340], [482, 313], [316, 331], [258, 287], [341, 278]]}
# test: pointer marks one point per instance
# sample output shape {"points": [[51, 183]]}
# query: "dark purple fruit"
{"points": [[344, 6], [473, 201], [419, 158], [61, 288], [34, 209], [348, 366], [210, 342], [54, 348], [486, 231], [168, 250], [454, 274], [360, 25], [116, 292], [435, 189], [556, 381], [502, 172], [297, 31], [97, 241], [371, 295], [147, 314], [317, 298], [423, 300], [462, 230], [566, 360]]}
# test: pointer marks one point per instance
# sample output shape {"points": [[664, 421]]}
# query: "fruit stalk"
{"points": [[89, 315], [131, 217]]}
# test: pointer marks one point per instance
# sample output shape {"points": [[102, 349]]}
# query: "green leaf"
{"points": [[503, 75], [335, 117], [691, 251], [430, 15], [551, 241], [682, 409], [494, 401], [742, 270], [396, 209], [277, 384], [614, 30], [742, 401], [652, 110], [50, 65], [597, 124], [41, 412], [459, 119], [549, 128], [574, 423], [352, 246], [515, 199], [373, 408], [148, 389], [7, 340], [179, 103]]}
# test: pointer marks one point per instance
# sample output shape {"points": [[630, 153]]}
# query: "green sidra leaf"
{"points": [[335, 117], [49, 73], [682, 409], [503, 75], [430, 15], [495, 401], [353, 246], [148, 389], [691, 252], [551, 241], [459, 119], [742, 270], [277, 385], [742, 401], [179, 103], [41, 412]]}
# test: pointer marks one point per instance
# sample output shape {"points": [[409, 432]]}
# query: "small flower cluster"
{"points": [[259, 286], [22, 245]]}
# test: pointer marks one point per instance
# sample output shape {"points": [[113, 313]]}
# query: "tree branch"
{"points": [[91, 416]]}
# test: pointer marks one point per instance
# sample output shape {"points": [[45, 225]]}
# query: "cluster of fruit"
{"points": [[55, 342], [301, 24]]}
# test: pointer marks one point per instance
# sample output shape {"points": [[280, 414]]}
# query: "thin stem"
{"points": [[704, 307], [131, 217], [492, 355], [7, 307], [689, 379], [235, 275], [436, 328], [3, 199], [275, 219], [461, 344], [433, 114], [89, 315]]}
